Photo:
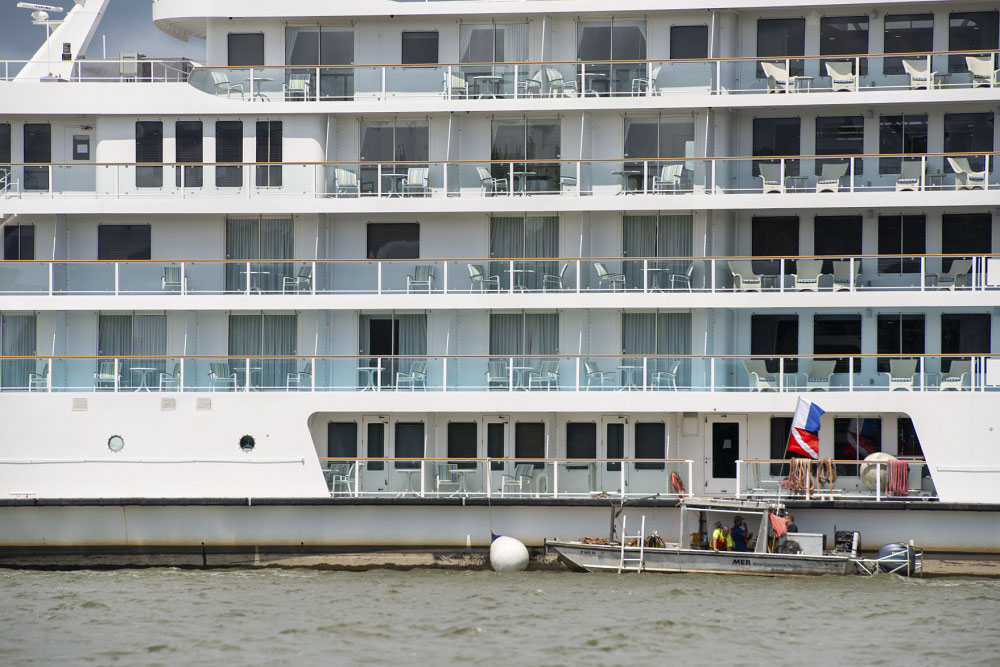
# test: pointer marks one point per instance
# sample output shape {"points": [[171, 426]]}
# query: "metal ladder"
{"points": [[641, 537]]}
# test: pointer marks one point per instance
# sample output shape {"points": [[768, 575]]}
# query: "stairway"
{"points": [[623, 564]]}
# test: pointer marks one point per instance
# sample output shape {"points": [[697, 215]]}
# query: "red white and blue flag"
{"points": [[804, 438]]}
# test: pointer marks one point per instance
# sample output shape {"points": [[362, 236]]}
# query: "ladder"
{"points": [[641, 538]]}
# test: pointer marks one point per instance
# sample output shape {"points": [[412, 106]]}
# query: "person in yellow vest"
{"points": [[721, 539]]}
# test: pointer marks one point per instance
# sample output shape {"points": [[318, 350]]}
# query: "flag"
{"points": [[778, 524], [804, 436]]}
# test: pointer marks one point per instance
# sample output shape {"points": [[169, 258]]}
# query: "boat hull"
{"points": [[607, 558]]}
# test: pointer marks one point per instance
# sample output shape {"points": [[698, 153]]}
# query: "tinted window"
{"points": [[898, 334], [901, 235], [907, 442], [189, 148], [37, 149], [774, 237], [838, 334], [968, 31], [529, 441], [4, 142], [969, 133], [581, 440], [837, 235], [376, 445], [393, 240], [840, 135], [420, 47], [246, 49], [495, 444], [123, 242], [776, 136], [409, 443], [906, 33], [149, 148], [615, 443], [774, 336], [854, 439], [968, 333], [19, 242], [965, 233], [780, 428], [688, 41], [342, 440], [229, 148], [462, 443], [650, 443], [781, 38], [269, 144], [843, 35], [900, 134]]}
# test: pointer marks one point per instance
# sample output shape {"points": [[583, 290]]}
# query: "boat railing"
{"points": [[504, 477], [567, 79], [905, 478], [488, 277], [107, 70], [587, 374], [415, 181]]}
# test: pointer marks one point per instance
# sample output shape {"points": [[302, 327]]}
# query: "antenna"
{"points": [[40, 16]]}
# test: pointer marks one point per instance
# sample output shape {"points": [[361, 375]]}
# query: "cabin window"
{"points": [[17, 338], [656, 236], [969, 133], [688, 41], [901, 235], [907, 442], [964, 334], [781, 428], [269, 150], [843, 36], [778, 137], [309, 46], [781, 39], [904, 135], [390, 335], [614, 442], [969, 31], [409, 444], [650, 443], [246, 49], [256, 239], [840, 135], [838, 334], [773, 336], [774, 237], [124, 242], [970, 233], [658, 137], [392, 141], [342, 440], [133, 337], [493, 43], [149, 148], [898, 334], [581, 440], [463, 439], [189, 149], [229, 149], [5, 152], [376, 445], [393, 240], [495, 449], [529, 442], [906, 33], [621, 41], [531, 237], [838, 236], [19, 242], [853, 440], [527, 139], [656, 334], [419, 48], [262, 335], [37, 150], [514, 334]]}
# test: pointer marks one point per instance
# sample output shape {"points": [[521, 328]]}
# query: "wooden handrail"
{"points": [[484, 459], [616, 355]]}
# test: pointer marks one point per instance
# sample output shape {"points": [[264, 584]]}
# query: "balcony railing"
{"points": [[603, 78], [503, 477], [117, 70], [846, 372], [826, 175], [851, 480], [493, 276]]}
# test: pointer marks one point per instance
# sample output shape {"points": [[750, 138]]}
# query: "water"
{"points": [[170, 616]]}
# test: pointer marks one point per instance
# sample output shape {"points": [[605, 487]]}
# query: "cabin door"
{"points": [[614, 431], [725, 444], [79, 151], [374, 445]]}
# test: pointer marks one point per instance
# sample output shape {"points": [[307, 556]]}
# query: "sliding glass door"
{"points": [[256, 239], [307, 47], [530, 237], [657, 333], [393, 141], [388, 339], [611, 40], [133, 336], [17, 339], [656, 236], [526, 139], [260, 335]]}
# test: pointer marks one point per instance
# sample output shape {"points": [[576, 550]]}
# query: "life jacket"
{"points": [[719, 540]]}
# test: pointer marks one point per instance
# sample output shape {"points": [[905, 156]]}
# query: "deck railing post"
{"points": [[247, 289], [510, 374], [922, 376], [117, 368], [578, 275], [645, 375], [853, 273], [850, 373], [423, 475], [247, 366], [183, 278], [739, 478], [378, 374], [578, 373], [781, 275], [312, 279], [117, 277], [48, 376], [357, 478], [444, 275], [51, 274], [923, 272], [645, 275], [878, 481], [378, 277], [312, 374], [510, 276], [781, 376], [621, 475], [555, 479], [712, 274], [486, 473], [444, 373]]}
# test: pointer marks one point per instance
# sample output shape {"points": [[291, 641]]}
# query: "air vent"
{"points": [[168, 404], [203, 404], [79, 405], [689, 414]]}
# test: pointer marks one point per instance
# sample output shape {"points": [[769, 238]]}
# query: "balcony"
{"points": [[851, 480], [551, 374], [491, 278], [118, 70]]}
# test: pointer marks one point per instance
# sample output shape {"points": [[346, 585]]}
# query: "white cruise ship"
{"points": [[391, 272]]}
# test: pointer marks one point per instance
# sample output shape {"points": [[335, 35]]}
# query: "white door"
{"points": [[614, 439], [80, 175], [374, 444], [725, 443], [496, 435]]}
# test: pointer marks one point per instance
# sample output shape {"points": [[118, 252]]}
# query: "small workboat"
{"points": [[639, 553]]}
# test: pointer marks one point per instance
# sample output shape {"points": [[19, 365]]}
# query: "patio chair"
{"points": [[303, 279], [958, 273], [778, 80], [345, 182], [445, 475], [171, 381], [220, 375], [744, 278], [300, 379], [829, 177], [220, 81], [341, 477], [490, 184], [957, 376], [965, 177], [920, 75], [669, 178], [416, 181], [39, 380], [842, 274], [558, 85], [497, 375], [667, 378], [770, 176], [682, 279], [604, 277], [820, 373], [520, 479], [902, 373], [105, 376], [477, 276], [298, 86], [554, 280], [760, 378], [422, 276], [641, 84], [807, 274], [171, 278], [533, 84], [456, 85], [911, 175], [415, 376], [842, 76], [982, 70], [594, 373], [547, 375]]}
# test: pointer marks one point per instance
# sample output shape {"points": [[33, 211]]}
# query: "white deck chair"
{"points": [[920, 75], [910, 176], [778, 80], [984, 75], [807, 274], [842, 274], [958, 273], [770, 175], [829, 177], [820, 373], [842, 76], [965, 177], [957, 377], [902, 373], [744, 278], [760, 378]]}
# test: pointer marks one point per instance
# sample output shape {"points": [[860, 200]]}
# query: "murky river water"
{"points": [[168, 616]]}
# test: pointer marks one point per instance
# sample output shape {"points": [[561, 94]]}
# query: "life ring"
{"points": [[677, 483]]}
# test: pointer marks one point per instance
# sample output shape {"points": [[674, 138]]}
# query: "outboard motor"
{"points": [[900, 558]]}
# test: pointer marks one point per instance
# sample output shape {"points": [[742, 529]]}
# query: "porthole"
{"points": [[247, 443], [116, 443]]}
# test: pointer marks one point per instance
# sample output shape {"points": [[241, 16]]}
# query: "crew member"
{"points": [[790, 526], [739, 534], [719, 537]]}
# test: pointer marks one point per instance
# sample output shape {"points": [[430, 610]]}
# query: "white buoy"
{"points": [[508, 555]]}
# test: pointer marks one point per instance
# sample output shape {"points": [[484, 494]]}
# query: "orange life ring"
{"points": [[677, 483]]}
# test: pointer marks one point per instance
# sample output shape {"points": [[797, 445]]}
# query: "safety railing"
{"points": [[826, 175], [107, 70], [523, 477], [503, 373], [835, 479], [603, 78], [492, 276]]}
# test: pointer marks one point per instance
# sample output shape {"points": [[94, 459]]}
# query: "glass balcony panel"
{"points": [[411, 80], [24, 277], [150, 277], [84, 277]]}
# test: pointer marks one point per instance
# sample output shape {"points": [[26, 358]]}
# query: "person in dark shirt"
{"points": [[790, 526], [739, 533]]}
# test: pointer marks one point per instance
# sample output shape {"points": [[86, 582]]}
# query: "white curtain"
{"points": [[17, 338], [515, 42], [263, 334], [639, 240], [524, 237], [506, 334], [513, 334], [658, 333], [252, 239], [128, 335], [656, 236]]}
